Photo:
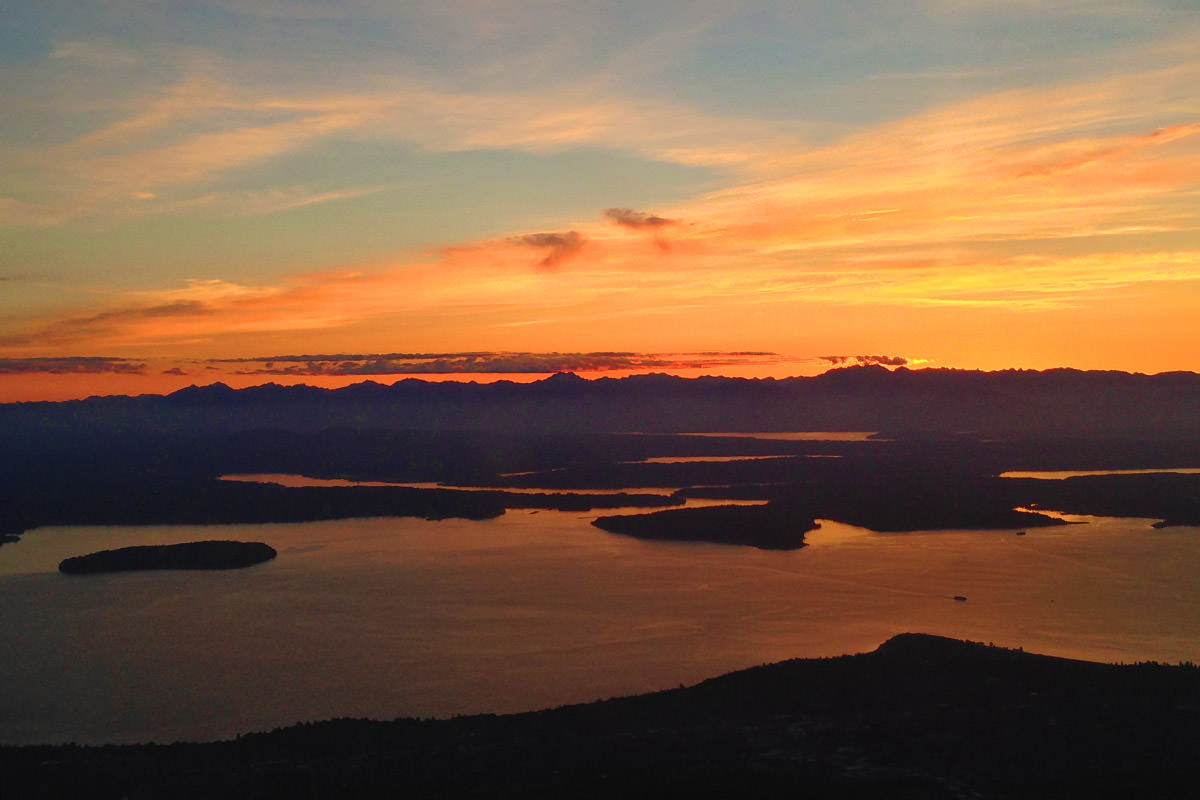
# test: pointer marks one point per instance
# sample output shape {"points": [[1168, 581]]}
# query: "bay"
{"points": [[399, 617]]}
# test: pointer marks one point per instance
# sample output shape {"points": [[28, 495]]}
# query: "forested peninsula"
{"points": [[920, 717]]}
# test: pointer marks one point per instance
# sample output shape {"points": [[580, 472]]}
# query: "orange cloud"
{"points": [[475, 288], [1002, 202], [1114, 150]]}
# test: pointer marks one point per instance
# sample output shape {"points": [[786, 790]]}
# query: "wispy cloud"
{"points": [[186, 136], [968, 205], [94, 53], [476, 285], [201, 128], [1032, 164], [273, 201], [118, 325]]}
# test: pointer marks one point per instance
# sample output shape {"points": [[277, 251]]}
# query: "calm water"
{"points": [[1060, 474], [391, 617]]}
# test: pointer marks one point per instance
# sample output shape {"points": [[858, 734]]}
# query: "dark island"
{"points": [[921, 717], [766, 527], [189, 555]]}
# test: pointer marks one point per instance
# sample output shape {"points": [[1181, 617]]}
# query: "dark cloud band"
{"points": [[886, 361], [71, 365], [467, 363]]}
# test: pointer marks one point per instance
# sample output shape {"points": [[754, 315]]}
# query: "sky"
{"points": [[327, 192]]}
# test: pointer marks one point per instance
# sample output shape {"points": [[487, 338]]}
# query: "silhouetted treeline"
{"points": [[1171, 498], [212, 502]]}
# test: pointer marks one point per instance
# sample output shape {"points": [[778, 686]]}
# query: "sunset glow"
{"points": [[329, 192]]}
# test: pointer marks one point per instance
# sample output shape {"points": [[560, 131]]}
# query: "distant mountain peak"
{"points": [[565, 379], [212, 389]]}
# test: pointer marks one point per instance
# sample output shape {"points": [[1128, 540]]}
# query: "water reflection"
{"points": [[1060, 474], [391, 617]]}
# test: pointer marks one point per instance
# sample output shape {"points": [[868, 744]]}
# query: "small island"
{"points": [[766, 527], [189, 555]]}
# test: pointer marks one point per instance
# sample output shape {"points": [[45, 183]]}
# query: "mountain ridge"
{"points": [[871, 398]]}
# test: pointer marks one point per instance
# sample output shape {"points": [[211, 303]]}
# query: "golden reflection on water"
{"points": [[390, 617], [1060, 474]]}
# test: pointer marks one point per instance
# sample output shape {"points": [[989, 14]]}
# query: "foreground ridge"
{"points": [[921, 716]]}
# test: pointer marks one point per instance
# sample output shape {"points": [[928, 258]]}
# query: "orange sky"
{"points": [[715, 179]]}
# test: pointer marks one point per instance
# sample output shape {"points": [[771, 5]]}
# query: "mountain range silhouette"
{"points": [[859, 398]]}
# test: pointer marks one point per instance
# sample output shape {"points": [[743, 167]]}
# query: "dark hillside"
{"points": [[921, 717]]}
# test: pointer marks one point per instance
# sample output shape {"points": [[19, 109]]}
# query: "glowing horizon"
{"points": [[981, 185], [81, 385]]}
